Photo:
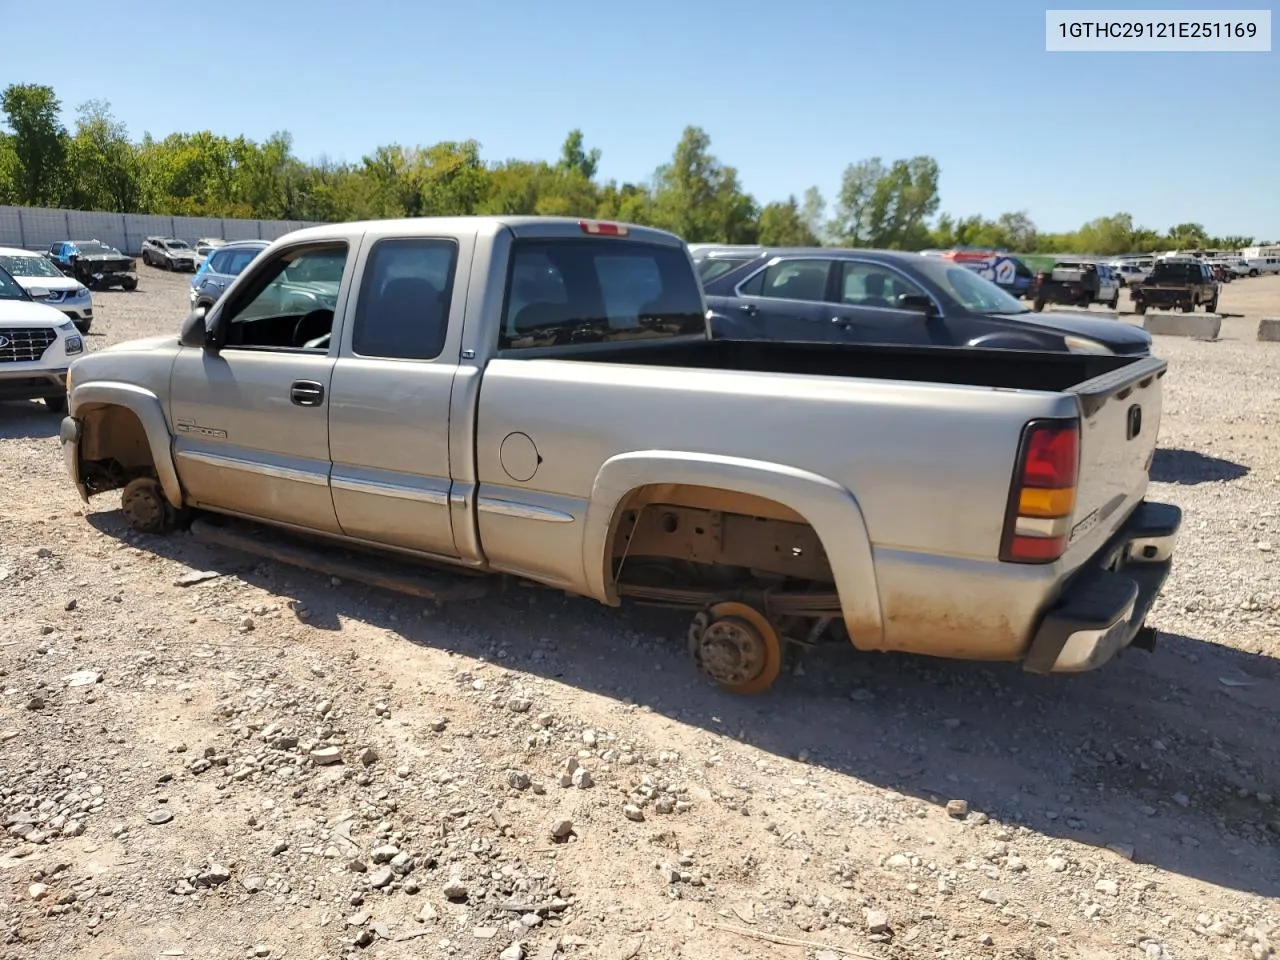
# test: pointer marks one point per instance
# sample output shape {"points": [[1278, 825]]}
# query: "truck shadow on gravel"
{"points": [[1172, 758], [1188, 468], [27, 420]]}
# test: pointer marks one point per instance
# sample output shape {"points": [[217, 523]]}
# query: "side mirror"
{"points": [[195, 331], [917, 301], [37, 293]]}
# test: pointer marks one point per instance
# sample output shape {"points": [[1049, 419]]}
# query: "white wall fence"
{"points": [[35, 228]]}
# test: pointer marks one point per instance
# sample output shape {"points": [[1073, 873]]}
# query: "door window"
{"points": [[873, 286], [218, 262], [290, 303], [791, 280], [403, 310]]}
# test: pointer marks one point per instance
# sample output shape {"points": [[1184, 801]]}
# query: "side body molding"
{"points": [[830, 509], [146, 406]]}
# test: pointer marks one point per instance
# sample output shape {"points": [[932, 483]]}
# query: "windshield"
{"points": [[176, 244], [93, 247], [971, 291], [30, 266], [9, 288]]}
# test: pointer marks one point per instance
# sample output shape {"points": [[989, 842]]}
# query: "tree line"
{"points": [[884, 204]]}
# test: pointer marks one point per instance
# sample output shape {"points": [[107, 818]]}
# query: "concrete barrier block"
{"points": [[1200, 325], [1269, 329]]}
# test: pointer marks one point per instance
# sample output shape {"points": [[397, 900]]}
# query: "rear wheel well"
{"points": [[113, 448], [689, 536]]}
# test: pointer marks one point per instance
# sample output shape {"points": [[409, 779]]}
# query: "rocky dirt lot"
{"points": [[269, 763]]}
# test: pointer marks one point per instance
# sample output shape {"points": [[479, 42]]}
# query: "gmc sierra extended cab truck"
{"points": [[540, 397]]}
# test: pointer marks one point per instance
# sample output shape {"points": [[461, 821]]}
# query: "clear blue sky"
{"points": [[790, 91]]}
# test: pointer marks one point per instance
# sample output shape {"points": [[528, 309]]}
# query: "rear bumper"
{"points": [[1103, 609]]}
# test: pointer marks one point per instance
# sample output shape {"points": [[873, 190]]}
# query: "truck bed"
{"points": [[1001, 369]]}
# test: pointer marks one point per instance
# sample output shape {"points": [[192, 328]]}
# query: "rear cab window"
{"points": [[712, 268], [592, 290]]}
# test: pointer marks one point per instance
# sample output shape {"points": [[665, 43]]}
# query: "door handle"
{"points": [[842, 322], [307, 393], [750, 309]]}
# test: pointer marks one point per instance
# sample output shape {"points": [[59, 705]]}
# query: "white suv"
{"points": [[37, 344]]}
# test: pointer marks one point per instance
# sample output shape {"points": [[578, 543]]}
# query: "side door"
{"points": [[784, 300], [389, 411], [250, 412], [213, 281], [865, 307]]}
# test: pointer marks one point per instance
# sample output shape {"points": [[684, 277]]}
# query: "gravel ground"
{"points": [[270, 763]]}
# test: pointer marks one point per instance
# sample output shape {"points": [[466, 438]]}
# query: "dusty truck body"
{"points": [[539, 397]]}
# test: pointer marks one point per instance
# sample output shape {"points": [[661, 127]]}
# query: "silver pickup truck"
{"points": [[539, 397]]}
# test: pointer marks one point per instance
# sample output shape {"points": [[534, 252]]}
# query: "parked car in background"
{"points": [[37, 344], [1128, 271], [1181, 282], [876, 296], [225, 264], [95, 264], [205, 246], [168, 253], [35, 271], [1076, 283]]}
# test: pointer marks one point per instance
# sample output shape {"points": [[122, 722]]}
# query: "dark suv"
{"points": [[877, 296]]}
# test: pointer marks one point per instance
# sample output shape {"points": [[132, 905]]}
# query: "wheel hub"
{"points": [[731, 652], [144, 509]]}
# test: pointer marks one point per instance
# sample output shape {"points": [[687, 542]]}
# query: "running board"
{"points": [[386, 572]]}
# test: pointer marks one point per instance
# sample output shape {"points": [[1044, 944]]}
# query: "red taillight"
{"points": [[1043, 498], [602, 228], [1052, 457]]}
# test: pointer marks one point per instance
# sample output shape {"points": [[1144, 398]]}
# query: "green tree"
{"points": [[39, 143], [1019, 231], [1234, 242], [813, 212], [102, 163], [573, 157], [1106, 236], [698, 198], [1188, 236], [783, 225], [886, 207]]}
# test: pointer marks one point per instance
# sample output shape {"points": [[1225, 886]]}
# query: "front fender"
{"points": [[146, 406], [830, 509]]}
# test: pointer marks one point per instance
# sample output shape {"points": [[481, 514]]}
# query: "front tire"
{"points": [[1211, 307], [84, 326], [1114, 301], [56, 404], [1038, 306]]}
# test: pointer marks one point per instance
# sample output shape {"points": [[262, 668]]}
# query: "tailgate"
{"points": [[1067, 274], [1119, 422]]}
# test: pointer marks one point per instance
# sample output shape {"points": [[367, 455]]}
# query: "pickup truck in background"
{"points": [[1078, 283], [1184, 284], [540, 397]]}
